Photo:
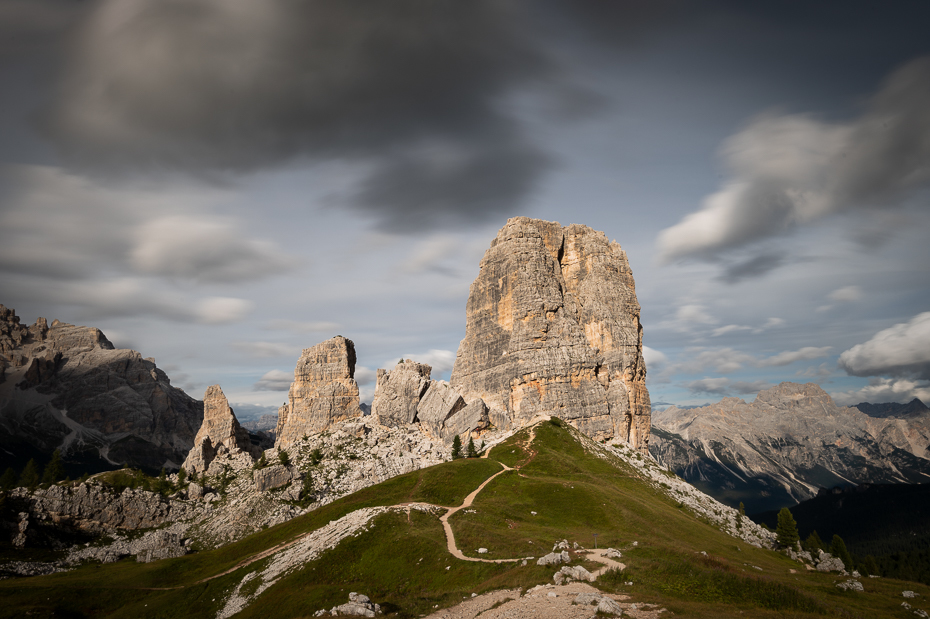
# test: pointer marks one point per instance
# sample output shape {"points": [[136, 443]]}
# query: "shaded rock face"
{"points": [[220, 431], [398, 392], [553, 328], [67, 387], [787, 444], [324, 391]]}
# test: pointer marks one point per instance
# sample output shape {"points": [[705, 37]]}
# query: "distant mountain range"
{"points": [[67, 387], [791, 441]]}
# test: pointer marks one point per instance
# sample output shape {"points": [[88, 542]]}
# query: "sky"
{"points": [[219, 184]]}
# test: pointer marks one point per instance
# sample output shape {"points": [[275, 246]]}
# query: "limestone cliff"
{"points": [[219, 433], [324, 391], [67, 387], [789, 442], [552, 327]]}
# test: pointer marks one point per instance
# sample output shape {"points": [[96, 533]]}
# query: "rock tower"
{"points": [[552, 327], [324, 391], [219, 433]]}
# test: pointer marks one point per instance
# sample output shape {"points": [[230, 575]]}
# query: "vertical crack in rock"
{"points": [[553, 328], [324, 391]]}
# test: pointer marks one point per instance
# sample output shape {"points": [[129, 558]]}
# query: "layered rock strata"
{"points": [[789, 442], [219, 433], [324, 391], [552, 327], [66, 387]]}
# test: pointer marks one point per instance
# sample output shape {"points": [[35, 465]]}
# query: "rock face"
{"points": [[406, 396], [398, 393], [791, 441], [553, 328], [324, 391], [67, 387], [220, 432]]}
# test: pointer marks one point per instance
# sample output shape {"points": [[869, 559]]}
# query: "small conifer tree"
{"points": [[813, 543], [456, 447], [54, 472], [283, 457], [182, 475], [838, 549], [262, 462], [786, 534], [472, 453], [740, 515], [29, 478], [8, 480]]}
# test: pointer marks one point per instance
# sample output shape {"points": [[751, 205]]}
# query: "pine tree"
{"points": [[182, 475], [786, 534], [54, 472], [456, 447], [29, 478], [869, 566], [8, 480], [813, 543], [838, 549], [471, 453], [740, 515], [283, 457]]}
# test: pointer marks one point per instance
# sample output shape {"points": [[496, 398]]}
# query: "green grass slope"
{"points": [[400, 560]]}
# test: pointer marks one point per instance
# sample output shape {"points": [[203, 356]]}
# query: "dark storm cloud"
{"points": [[213, 86]]}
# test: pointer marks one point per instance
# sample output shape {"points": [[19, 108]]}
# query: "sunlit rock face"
{"points": [[552, 327], [220, 432], [324, 391]]}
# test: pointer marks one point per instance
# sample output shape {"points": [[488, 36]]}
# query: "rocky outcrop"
{"points": [[784, 446], [66, 387], [552, 327], [324, 391], [219, 433], [438, 404], [272, 477], [398, 392]]}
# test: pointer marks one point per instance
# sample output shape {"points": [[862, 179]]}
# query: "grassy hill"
{"points": [[399, 556]]}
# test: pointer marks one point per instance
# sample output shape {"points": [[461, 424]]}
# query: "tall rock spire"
{"points": [[552, 327]]}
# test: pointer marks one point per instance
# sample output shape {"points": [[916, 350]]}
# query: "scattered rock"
{"points": [[850, 585], [554, 558], [358, 605]]}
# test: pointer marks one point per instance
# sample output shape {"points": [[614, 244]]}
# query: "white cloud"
{"points": [[716, 386], [296, 326], [730, 329], [792, 170], [223, 310], [847, 294], [654, 358], [902, 350], [267, 350], [790, 356], [203, 249], [274, 380], [694, 314], [881, 390], [365, 376]]}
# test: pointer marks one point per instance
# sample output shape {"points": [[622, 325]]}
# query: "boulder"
{"points": [[568, 574], [398, 393], [828, 563], [272, 477], [220, 431], [554, 558], [552, 328], [438, 404], [324, 391], [473, 417], [358, 605]]}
